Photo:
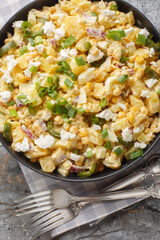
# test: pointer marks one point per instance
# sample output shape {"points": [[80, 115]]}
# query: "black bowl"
{"points": [[127, 166]]}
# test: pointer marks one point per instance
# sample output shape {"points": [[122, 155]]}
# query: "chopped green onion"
{"points": [[89, 153], [62, 101], [7, 47], [64, 64], [56, 82], [118, 151], [50, 106], [136, 154], [23, 50], [158, 92], [104, 133], [38, 40], [31, 103], [67, 120], [45, 55], [114, 7], [93, 14], [26, 24], [116, 35], [10, 86], [80, 110], [11, 103], [87, 46], [107, 145], [33, 69], [95, 120], [68, 83], [123, 78], [99, 62], [59, 109], [50, 89], [42, 91], [151, 73], [13, 113], [60, 70], [71, 75], [50, 80], [80, 61], [141, 39], [75, 151], [103, 103], [72, 112], [38, 33], [22, 97], [124, 143], [124, 59], [60, 48], [37, 86], [68, 41], [32, 110], [31, 41], [53, 95]]}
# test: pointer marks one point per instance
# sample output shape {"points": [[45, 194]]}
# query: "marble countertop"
{"points": [[140, 222]]}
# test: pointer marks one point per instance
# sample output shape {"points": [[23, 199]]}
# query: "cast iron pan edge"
{"points": [[110, 175]]}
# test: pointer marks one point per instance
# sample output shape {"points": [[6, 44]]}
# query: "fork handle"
{"points": [[135, 193]]}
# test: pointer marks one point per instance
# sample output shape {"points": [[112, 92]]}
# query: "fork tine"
{"points": [[40, 199], [38, 194], [46, 208], [47, 203], [36, 217]]}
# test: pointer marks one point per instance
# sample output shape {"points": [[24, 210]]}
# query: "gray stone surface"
{"points": [[140, 222]]}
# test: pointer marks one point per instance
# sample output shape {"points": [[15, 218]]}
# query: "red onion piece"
{"points": [[131, 72], [95, 32], [89, 18], [42, 124], [77, 169], [28, 132], [19, 103], [54, 43]]}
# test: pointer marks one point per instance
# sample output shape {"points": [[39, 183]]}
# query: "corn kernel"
{"points": [[130, 117], [50, 60], [114, 99], [144, 110], [85, 140], [83, 133], [52, 10], [140, 59], [132, 59], [20, 77], [121, 114], [74, 129]]}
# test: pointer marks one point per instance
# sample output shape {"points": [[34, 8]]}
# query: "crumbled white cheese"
{"points": [[140, 145], [138, 129], [151, 82], [17, 24], [117, 21], [44, 141], [107, 115], [6, 76], [60, 15], [108, 13], [30, 48], [91, 58], [40, 48], [128, 31], [74, 157], [67, 135], [53, 102], [49, 28], [144, 32], [27, 72], [154, 64], [145, 94], [96, 127], [86, 76], [123, 106], [152, 52], [59, 33], [12, 62], [130, 44], [64, 54], [22, 147], [82, 97], [127, 135], [73, 52], [5, 96]]}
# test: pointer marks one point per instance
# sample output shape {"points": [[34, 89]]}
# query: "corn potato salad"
{"points": [[79, 87]]}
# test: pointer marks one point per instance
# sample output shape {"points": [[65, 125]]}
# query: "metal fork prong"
{"points": [[47, 208], [38, 194], [36, 217], [37, 199], [49, 228], [46, 221], [47, 203]]}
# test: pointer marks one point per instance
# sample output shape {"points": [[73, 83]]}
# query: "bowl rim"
{"points": [[117, 173]]}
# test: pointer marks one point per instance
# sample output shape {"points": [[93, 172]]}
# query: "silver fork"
{"points": [[45, 222], [59, 198]]}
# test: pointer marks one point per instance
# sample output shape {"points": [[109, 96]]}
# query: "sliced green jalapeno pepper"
{"points": [[88, 173], [7, 47], [8, 131], [52, 132]]}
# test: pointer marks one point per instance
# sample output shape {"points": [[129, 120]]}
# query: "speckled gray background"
{"points": [[140, 223]]}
